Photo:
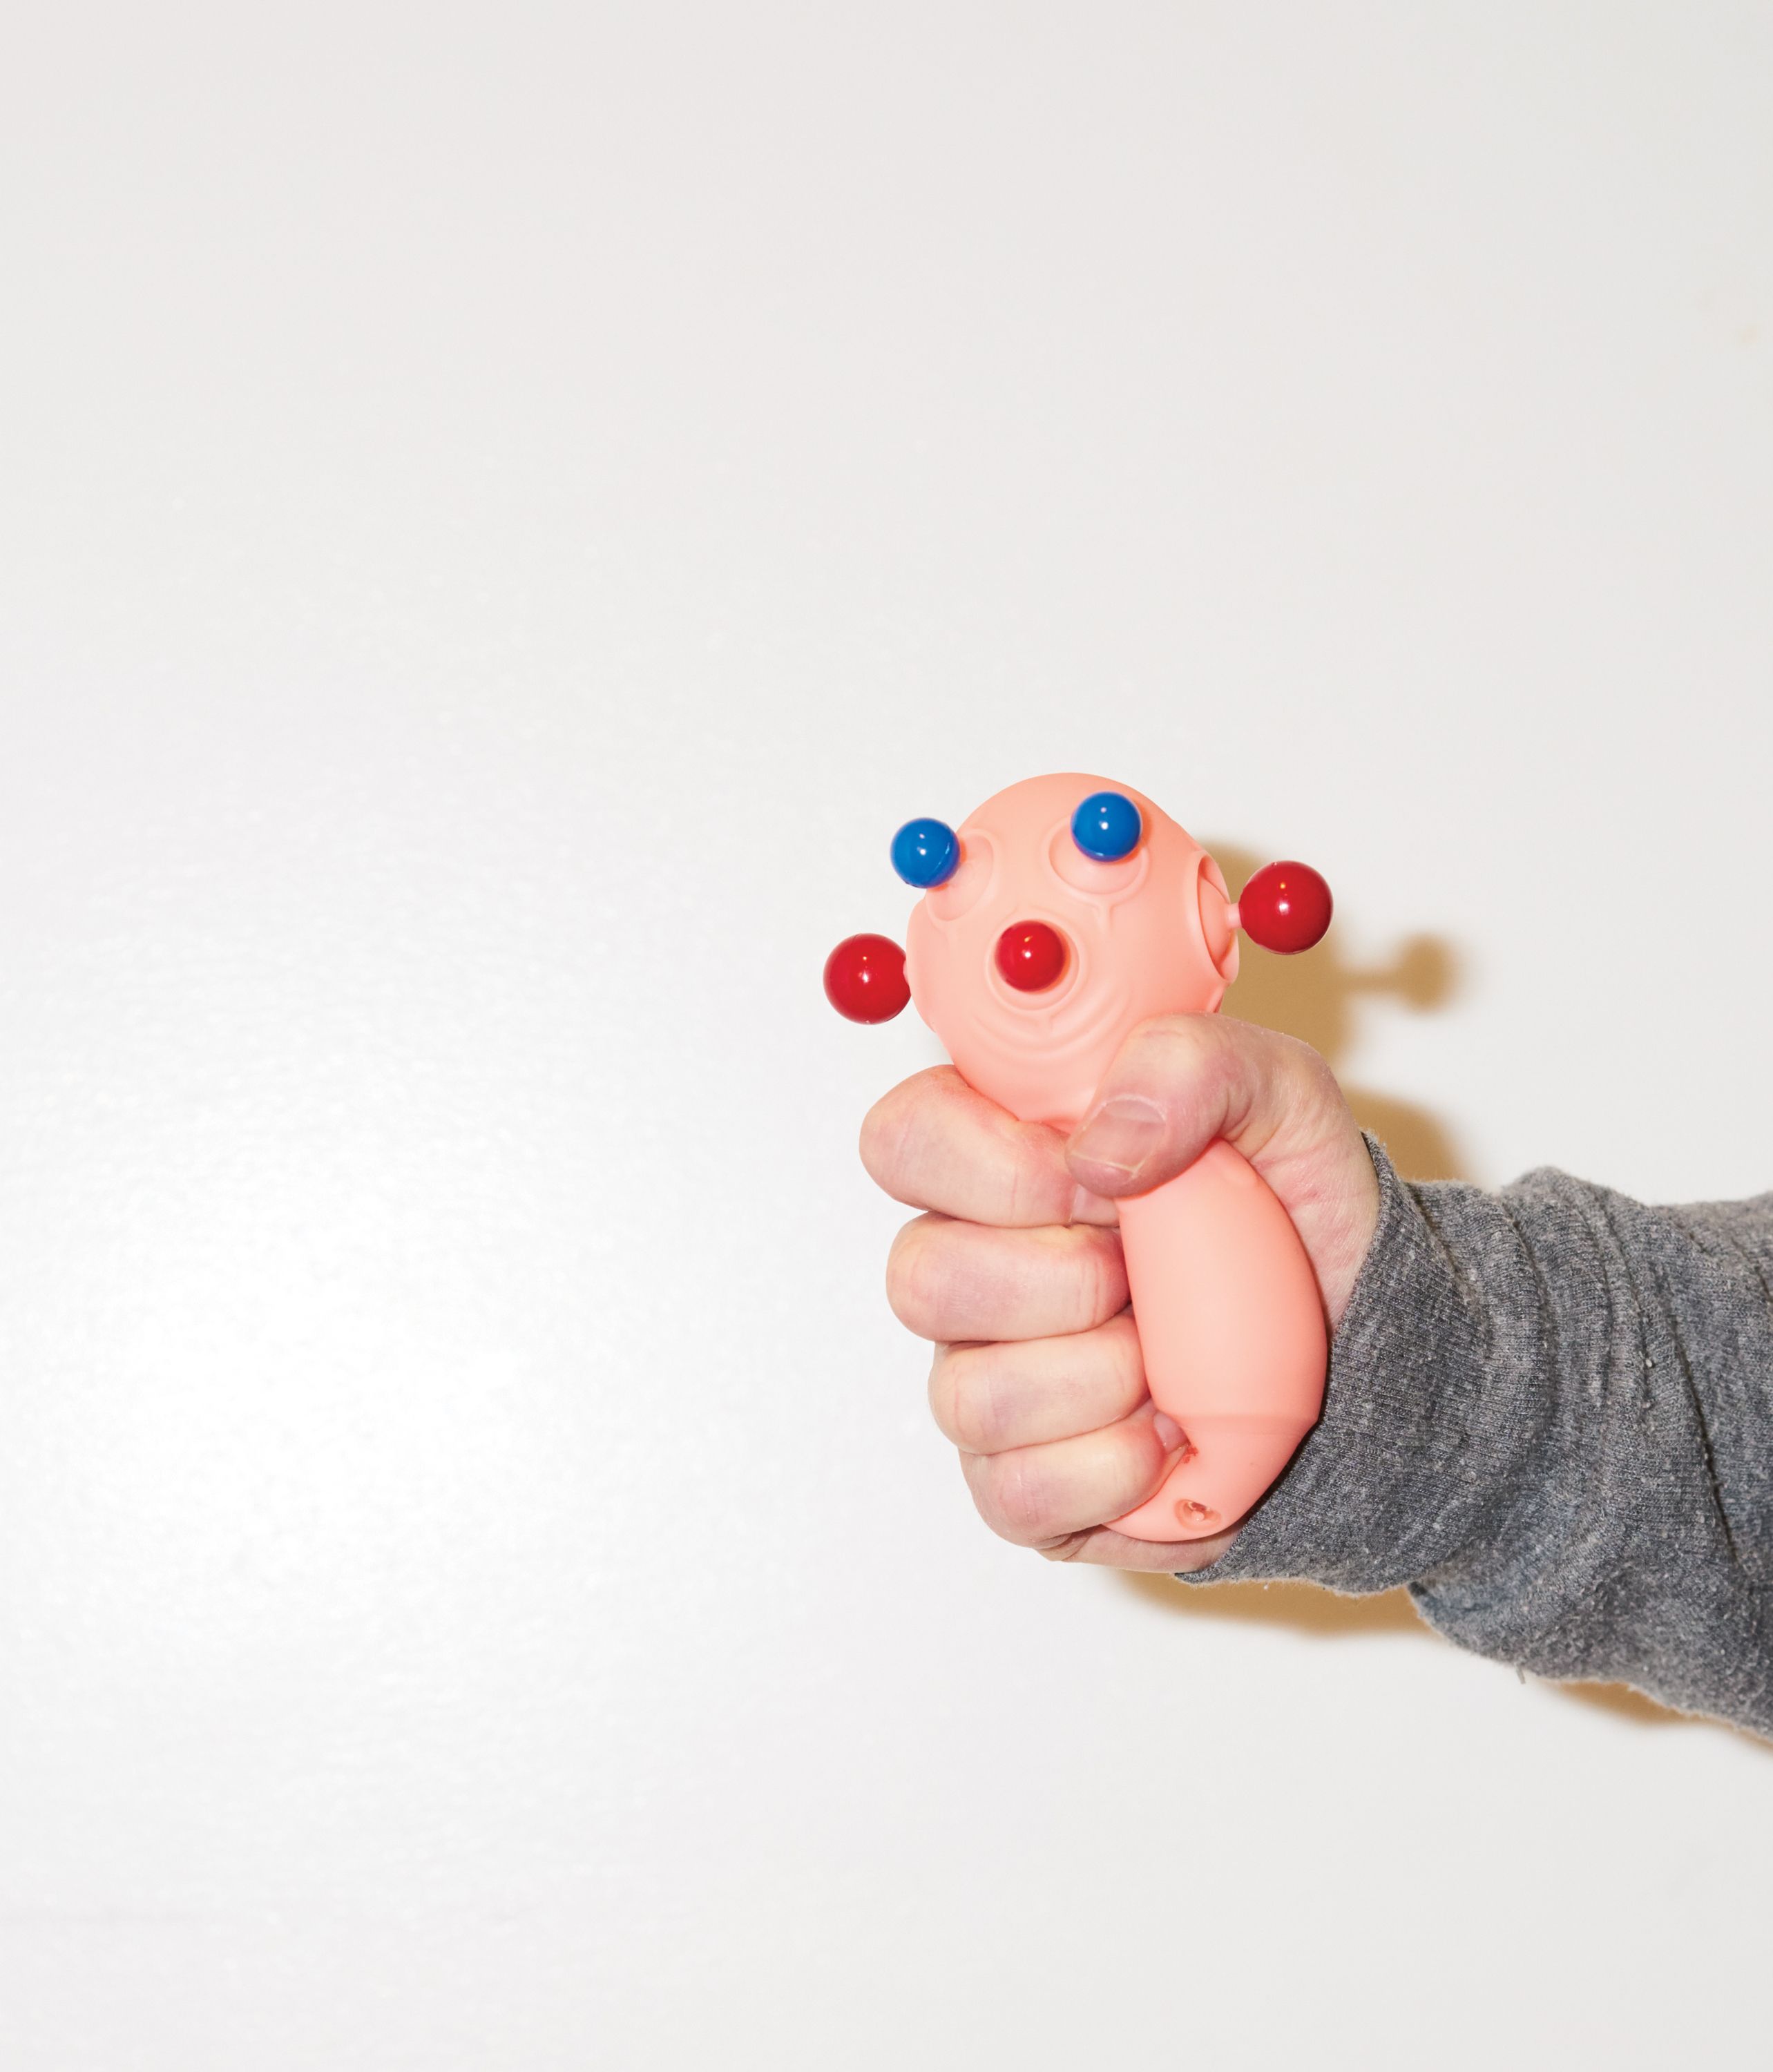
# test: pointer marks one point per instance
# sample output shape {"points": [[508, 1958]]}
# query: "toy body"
{"points": [[1057, 919], [1231, 1327]]}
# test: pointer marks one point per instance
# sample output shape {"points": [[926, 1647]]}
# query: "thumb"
{"points": [[1180, 1082]]}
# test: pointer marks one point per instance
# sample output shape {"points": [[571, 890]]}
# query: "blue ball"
{"points": [[925, 853], [1107, 826]]}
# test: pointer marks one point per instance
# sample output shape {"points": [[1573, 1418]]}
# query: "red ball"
{"points": [[1031, 955], [865, 978], [1286, 906]]}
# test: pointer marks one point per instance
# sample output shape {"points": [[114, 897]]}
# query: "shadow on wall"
{"points": [[1299, 1608], [1319, 998]]}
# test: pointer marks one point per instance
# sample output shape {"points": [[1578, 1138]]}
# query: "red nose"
{"points": [[1031, 955]]}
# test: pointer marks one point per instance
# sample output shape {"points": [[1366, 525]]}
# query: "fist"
{"points": [[1014, 1271]]}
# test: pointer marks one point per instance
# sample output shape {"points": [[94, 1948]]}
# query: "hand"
{"points": [[1015, 1271]]}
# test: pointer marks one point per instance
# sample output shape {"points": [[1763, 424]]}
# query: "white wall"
{"points": [[502, 510]]}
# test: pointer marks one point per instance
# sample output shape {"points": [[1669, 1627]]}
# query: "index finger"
{"points": [[933, 1143]]}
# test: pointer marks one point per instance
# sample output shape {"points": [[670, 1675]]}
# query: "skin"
{"points": [[1013, 1270]]}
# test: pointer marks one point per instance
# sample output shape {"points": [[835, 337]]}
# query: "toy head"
{"points": [[1063, 913]]}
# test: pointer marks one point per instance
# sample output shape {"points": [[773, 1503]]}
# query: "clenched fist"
{"points": [[1014, 1267]]}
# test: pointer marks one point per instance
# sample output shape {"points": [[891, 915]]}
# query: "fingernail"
{"points": [[1121, 1135], [1168, 1432]]}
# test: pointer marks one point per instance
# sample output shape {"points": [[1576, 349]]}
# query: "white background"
{"points": [[502, 511]]}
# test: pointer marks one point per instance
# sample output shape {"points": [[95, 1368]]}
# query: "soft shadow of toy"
{"points": [[1291, 1607], [1318, 998], [1316, 1614]]}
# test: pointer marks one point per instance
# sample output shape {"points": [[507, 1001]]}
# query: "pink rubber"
{"points": [[1231, 1327], [1229, 1316]]}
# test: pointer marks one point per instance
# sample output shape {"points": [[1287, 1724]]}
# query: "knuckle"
{"points": [[882, 1141], [907, 1272], [1229, 1069], [918, 1276], [1302, 1094], [972, 1412], [1316, 1082], [1240, 1076], [1287, 1063], [1017, 1499], [1173, 1047], [944, 1391]]}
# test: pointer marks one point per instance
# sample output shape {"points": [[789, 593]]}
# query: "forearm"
{"points": [[1550, 1413]]}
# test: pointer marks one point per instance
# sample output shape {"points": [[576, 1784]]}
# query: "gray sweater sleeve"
{"points": [[1550, 1413]]}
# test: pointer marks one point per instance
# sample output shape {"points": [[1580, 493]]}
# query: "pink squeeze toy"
{"points": [[1065, 912]]}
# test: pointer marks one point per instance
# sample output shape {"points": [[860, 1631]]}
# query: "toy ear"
{"points": [[1286, 906], [865, 979], [1217, 918]]}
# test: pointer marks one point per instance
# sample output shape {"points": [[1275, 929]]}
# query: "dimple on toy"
{"points": [[1061, 914]]}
